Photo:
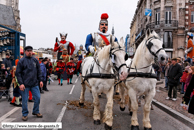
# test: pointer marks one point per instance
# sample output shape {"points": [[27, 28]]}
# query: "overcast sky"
{"points": [[43, 20]]}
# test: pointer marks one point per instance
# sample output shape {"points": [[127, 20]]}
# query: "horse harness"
{"points": [[101, 75], [146, 75]]}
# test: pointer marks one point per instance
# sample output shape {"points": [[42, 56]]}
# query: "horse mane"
{"points": [[104, 53], [142, 46]]}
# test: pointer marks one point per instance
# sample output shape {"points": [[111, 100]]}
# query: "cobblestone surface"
{"points": [[161, 97]]}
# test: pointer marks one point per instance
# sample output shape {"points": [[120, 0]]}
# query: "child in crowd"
{"points": [[70, 70], [16, 90]]}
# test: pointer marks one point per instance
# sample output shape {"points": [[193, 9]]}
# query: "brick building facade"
{"points": [[167, 20]]}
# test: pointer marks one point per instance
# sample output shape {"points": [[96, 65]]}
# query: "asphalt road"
{"points": [[53, 106]]}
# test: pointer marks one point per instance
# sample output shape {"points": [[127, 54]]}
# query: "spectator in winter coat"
{"points": [[188, 97], [60, 68], [44, 74], [174, 74], [7, 62], [70, 70], [50, 70], [47, 73], [8, 66], [29, 76]]}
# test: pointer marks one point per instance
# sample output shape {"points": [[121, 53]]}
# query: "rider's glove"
{"points": [[91, 49], [186, 52]]}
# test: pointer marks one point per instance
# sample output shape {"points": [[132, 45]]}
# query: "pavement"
{"points": [[54, 108], [173, 108]]}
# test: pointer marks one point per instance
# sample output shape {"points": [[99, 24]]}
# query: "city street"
{"points": [[53, 107]]}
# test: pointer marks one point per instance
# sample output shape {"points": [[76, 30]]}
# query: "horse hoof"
{"points": [[131, 113], [99, 96], [147, 128], [97, 122], [107, 127], [116, 93], [81, 104], [134, 127], [122, 109]]}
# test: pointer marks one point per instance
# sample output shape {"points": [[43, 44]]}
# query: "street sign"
{"points": [[148, 12], [131, 51]]}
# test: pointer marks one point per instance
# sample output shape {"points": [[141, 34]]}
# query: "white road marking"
{"points": [[61, 114], [9, 120], [76, 80], [72, 89], [9, 113]]}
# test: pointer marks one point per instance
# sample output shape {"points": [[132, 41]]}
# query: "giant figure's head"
{"points": [[63, 36], [103, 27]]}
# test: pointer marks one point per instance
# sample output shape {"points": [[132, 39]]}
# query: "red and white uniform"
{"points": [[68, 45]]}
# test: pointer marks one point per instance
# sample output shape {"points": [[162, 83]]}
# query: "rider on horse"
{"points": [[100, 38], [59, 46]]}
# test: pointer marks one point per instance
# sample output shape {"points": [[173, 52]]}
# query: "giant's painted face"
{"points": [[63, 38], [104, 27]]}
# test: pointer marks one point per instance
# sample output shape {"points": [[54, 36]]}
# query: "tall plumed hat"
{"points": [[104, 18], [63, 34]]}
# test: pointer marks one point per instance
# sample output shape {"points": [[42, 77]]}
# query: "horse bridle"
{"points": [[150, 44], [113, 53]]}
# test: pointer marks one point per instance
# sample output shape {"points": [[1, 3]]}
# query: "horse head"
{"points": [[118, 58], [154, 46]]}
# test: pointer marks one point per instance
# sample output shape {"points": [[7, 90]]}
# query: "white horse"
{"points": [[103, 63], [149, 49]]}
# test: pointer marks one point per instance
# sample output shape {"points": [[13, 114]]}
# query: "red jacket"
{"points": [[70, 68], [184, 77], [60, 67], [78, 65], [50, 67], [57, 48]]}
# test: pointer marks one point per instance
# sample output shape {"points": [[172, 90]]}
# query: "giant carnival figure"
{"points": [[97, 71], [59, 46], [100, 38]]}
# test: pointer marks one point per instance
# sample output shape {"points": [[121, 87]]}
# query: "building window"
{"points": [[192, 17], [157, 20], [168, 15], [168, 40]]}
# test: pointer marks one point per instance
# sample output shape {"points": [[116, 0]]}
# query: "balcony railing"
{"points": [[163, 24]]}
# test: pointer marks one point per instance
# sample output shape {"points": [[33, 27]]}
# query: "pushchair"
{"points": [[4, 90]]}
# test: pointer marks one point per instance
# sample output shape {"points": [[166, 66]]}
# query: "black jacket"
{"points": [[28, 72], [174, 74], [7, 62], [187, 95]]}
